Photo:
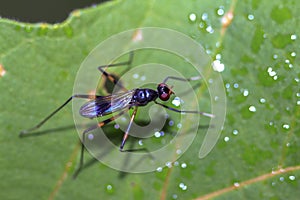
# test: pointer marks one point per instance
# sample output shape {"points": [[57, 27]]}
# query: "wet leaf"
{"points": [[257, 155]]}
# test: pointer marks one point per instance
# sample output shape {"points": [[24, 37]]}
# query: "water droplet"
{"points": [[171, 123], [135, 76], [90, 136], [209, 29], [275, 56], [226, 139], [174, 196], [159, 169], [245, 93], [280, 14], [298, 103], [204, 16], [236, 184], [143, 78], [176, 101], [141, 142], [178, 151], [218, 56], [262, 100], [179, 125], [250, 17], [220, 11], [176, 163], [227, 85], [158, 134], [235, 132], [116, 126], [183, 165], [281, 178], [293, 54], [235, 85], [109, 188], [286, 126], [218, 66], [182, 186], [169, 164], [293, 37], [252, 109], [192, 17], [292, 178]]}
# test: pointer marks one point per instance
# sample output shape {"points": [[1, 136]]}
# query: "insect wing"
{"points": [[104, 105]]}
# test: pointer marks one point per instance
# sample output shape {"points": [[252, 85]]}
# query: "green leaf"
{"points": [[257, 155]]}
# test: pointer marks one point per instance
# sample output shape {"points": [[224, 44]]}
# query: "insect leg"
{"points": [[109, 76], [128, 128], [185, 111], [194, 78], [100, 124], [84, 96]]}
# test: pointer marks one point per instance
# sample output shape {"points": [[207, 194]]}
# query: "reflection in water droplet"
{"points": [[250, 17], [192, 17], [252, 109]]}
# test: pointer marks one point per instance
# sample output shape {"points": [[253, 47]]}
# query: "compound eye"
{"points": [[164, 92]]}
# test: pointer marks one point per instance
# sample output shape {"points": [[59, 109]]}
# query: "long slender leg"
{"points": [[185, 111], [194, 78], [100, 124], [84, 96], [109, 76], [128, 129]]}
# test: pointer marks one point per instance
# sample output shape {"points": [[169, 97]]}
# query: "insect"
{"points": [[119, 103]]}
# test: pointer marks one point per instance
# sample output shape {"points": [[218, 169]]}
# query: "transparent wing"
{"points": [[104, 105]]}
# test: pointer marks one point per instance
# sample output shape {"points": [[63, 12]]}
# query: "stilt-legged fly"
{"points": [[119, 103]]}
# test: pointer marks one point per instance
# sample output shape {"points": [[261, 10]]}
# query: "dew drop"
{"points": [[293, 37], [143, 78], [262, 100], [286, 126], [250, 17], [235, 85], [227, 85], [135, 76], [169, 164], [218, 66], [252, 109], [293, 54], [204, 16], [292, 178], [159, 169], [220, 11], [141, 142], [176, 101], [235, 132], [281, 178], [209, 29], [179, 125], [182, 186], [226, 139], [90, 136], [245, 93], [183, 165], [178, 151], [236, 184], [192, 17], [174, 196], [171, 123]]}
